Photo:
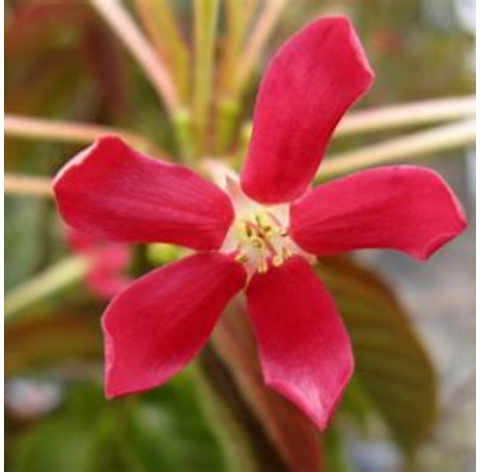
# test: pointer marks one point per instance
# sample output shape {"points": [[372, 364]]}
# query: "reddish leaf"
{"points": [[296, 438]]}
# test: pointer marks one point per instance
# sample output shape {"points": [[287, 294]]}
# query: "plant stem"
{"points": [[235, 25], [134, 40], [160, 24], [402, 149], [71, 132], [244, 140], [257, 41], [228, 106], [182, 123], [206, 15], [404, 115], [23, 185], [336, 457], [49, 282], [411, 114], [227, 117]]}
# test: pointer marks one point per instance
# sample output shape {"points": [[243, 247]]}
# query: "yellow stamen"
{"points": [[242, 258], [257, 242], [262, 266], [277, 260], [248, 229]]}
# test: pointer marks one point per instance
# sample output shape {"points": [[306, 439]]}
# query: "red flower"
{"points": [[260, 237], [108, 262]]}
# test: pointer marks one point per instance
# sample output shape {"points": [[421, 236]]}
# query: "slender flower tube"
{"points": [[260, 233]]}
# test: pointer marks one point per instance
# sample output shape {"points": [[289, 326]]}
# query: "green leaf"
{"points": [[55, 446], [168, 430], [162, 431], [48, 339], [78, 437], [24, 253], [335, 455], [391, 362]]}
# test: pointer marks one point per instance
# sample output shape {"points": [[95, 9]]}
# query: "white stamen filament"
{"points": [[259, 236]]}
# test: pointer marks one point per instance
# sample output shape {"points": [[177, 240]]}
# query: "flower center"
{"points": [[259, 235], [262, 240]]}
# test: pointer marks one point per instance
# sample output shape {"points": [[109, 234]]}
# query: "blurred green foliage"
{"points": [[161, 431]]}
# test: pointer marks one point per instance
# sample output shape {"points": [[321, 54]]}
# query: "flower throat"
{"points": [[261, 238]]}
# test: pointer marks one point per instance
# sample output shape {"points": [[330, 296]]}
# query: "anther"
{"points": [[248, 229], [286, 253], [257, 242], [262, 266], [267, 229], [242, 258], [278, 260]]}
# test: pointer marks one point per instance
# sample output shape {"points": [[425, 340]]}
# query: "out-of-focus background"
{"points": [[64, 63]]}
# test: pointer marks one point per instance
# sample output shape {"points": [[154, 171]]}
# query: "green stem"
{"points": [[236, 16], [43, 129], [232, 438], [182, 123], [228, 109], [54, 279], [206, 14], [228, 112], [27, 186], [159, 21], [257, 41], [407, 115], [334, 453], [245, 138], [409, 147], [120, 20]]}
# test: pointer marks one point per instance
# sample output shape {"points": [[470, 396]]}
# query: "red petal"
{"points": [[155, 326], [311, 82], [81, 242], [409, 209], [109, 262], [106, 284], [109, 266], [304, 348], [112, 192]]}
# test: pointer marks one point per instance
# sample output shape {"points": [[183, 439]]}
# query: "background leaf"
{"points": [[163, 431], [295, 437], [46, 339], [391, 363]]}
